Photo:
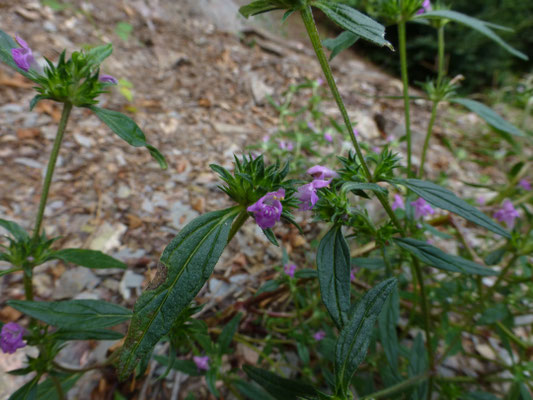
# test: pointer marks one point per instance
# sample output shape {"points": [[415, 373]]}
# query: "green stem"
{"points": [[67, 107], [405, 81], [59, 389], [309, 22], [397, 388], [441, 54], [238, 223], [428, 136]]}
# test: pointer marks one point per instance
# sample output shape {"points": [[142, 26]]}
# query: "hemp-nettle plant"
{"points": [[382, 310]]}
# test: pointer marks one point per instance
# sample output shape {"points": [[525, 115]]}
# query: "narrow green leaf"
{"points": [[473, 23], [186, 366], [15, 229], [251, 390], [368, 263], [333, 263], [269, 233], [525, 394], [490, 116], [439, 259], [353, 21], [87, 334], [343, 41], [257, 7], [442, 198], [98, 54], [354, 338], [87, 258], [388, 319], [479, 396], [226, 336], [418, 364], [496, 313], [280, 388], [27, 391], [211, 380], [364, 186], [189, 260], [128, 130], [35, 100], [47, 389], [74, 314]]}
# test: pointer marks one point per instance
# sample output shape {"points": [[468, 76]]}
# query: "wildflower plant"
{"points": [[372, 264]]}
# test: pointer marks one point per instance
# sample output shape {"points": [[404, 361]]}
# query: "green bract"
{"points": [[74, 80]]}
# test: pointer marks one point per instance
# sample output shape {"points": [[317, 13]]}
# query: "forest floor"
{"points": [[199, 81]]}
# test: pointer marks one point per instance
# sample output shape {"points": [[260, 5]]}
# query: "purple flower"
{"points": [[426, 6], [422, 208], [352, 276], [108, 79], [481, 200], [507, 213], [267, 210], [328, 137], [524, 184], [289, 269], [201, 362], [398, 202], [11, 337], [23, 56], [285, 145], [307, 193], [319, 81], [266, 138], [319, 335], [311, 126], [320, 172], [355, 132]]}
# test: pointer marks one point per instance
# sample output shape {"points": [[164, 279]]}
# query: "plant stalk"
{"points": [[398, 387], [405, 81], [441, 61], [428, 136], [67, 107], [27, 279], [238, 223]]}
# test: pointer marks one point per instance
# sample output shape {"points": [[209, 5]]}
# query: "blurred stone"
{"points": [[73, 281], [130, 282]]}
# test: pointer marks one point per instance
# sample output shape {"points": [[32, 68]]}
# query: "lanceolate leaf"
{"points": [[353, 21], [418, 364], [280, 388], [15, 229], [364, 186], [88, 258], [473, 23], [257, 7], [47, 389], [189, 260], [74, 314], [354, 338], [387, 329], [26, 392], [128, 130], [489, 115], [345, 40], [333, 262], [87, 334], [226, 336], [443, 198], [439, 259]]}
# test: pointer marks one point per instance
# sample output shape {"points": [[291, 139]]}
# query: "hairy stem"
{"points": [[405, 81], [237, 224], [428, 136]]}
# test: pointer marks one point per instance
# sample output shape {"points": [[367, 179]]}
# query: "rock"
{"points": [[259, 89], [107, 237], [181, 214], [83, 141], [74, 281], [218, 288], [28, 162], [130, 282]]}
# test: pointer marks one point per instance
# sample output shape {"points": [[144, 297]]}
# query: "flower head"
{"points": [[507, 213], [310, 125], [285, 145], [267, 210], [398, 202], [328, 137], [11, 337], [108, 79], [422, 208], [319, 335], [481, 200], [524, 184], [289, 269], [426, 6], [320, 172], [307, 193], [202, 362], [23, 56]]}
